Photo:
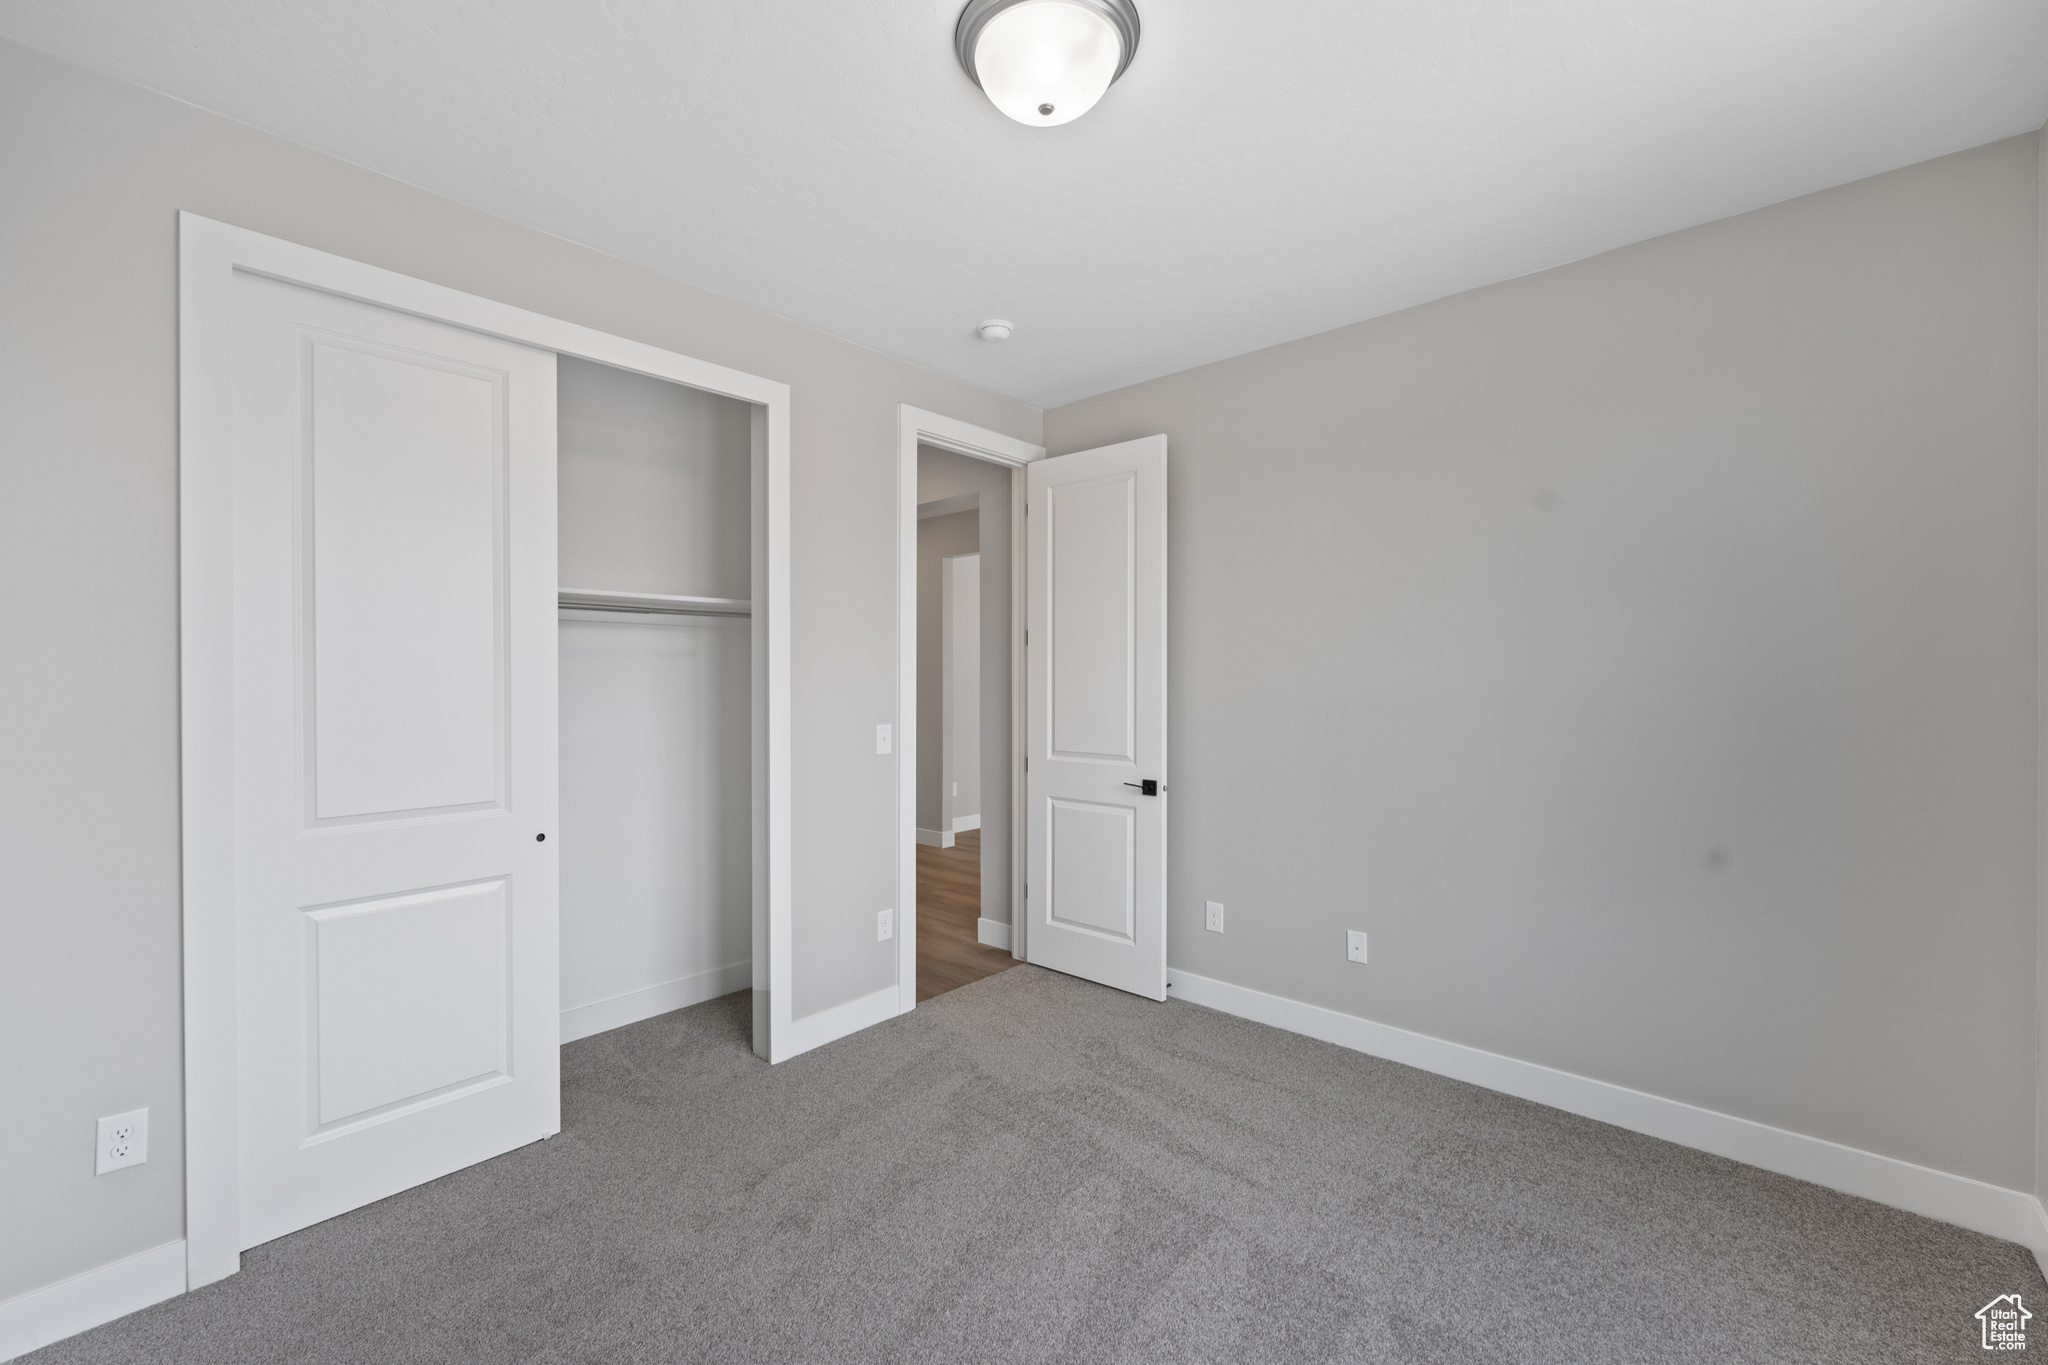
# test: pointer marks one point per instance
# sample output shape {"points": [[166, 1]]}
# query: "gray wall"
{"points": [[958, 533], [961, 682], [1643, 653], [95, 173]]}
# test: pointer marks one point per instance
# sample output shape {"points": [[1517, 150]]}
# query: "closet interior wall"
{"points": [[656, 706]]}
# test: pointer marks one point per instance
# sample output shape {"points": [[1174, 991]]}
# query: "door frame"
{"points": [[915, 427], [209, 255]]}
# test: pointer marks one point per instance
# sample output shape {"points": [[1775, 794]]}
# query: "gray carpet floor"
{"points": [[1032, 1168]]}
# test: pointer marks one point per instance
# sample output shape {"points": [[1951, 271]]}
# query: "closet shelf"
{"points": [[600, 599]]}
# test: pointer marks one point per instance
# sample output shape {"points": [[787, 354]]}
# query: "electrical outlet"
{"points": [[1354, 944], [1215, 917], [885, 926], [885, 739], [956, 789], [123, 1141]]}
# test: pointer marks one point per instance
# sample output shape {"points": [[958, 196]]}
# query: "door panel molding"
{"points": [[345, 481], [1091, 856], [353, 1085], [1077, 517], [211, 255]]}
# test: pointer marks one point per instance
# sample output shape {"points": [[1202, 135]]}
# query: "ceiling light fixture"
{"points": [[1046, 62]]}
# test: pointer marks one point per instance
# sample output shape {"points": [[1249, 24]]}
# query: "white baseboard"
{"points": [[1991, 1209], [69, 1307], [935, 838], [994, 932], [963, 823], [2039, 1240], [633, 1006], [816, 1030]]}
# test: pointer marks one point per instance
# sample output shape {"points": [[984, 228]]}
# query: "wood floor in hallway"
{"points": [[949, 951]]}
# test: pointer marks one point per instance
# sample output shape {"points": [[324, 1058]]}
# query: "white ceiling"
{"points": [[1265, 171]]}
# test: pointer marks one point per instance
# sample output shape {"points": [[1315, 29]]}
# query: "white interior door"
{"points": [[395, 755], [1095, 728]]}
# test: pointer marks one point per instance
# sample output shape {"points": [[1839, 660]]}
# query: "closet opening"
{"points": [[963, 720], [657, 658]]}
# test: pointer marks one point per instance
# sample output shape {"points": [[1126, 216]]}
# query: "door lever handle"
{"points": [[1149, 787]]}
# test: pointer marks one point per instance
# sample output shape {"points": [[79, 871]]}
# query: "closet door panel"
{"points": [[406, 457], [409, 998], [395, 763]]}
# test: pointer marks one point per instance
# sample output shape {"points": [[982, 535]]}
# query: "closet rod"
{"points": [[599, 599]]}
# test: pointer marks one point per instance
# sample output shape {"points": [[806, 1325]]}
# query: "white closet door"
{"points": [[395, 761], [1095, 730]]}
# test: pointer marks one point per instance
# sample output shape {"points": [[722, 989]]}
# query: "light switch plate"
{"points": [[1354, 944], [123, 1141], [885, 739]]}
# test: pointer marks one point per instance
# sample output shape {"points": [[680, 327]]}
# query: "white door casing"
{"points": [[395, 751], [1095, 659]]}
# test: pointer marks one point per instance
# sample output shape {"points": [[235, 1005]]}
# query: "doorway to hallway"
{"points": [[962, 633], [1068, 792], [949, 951]]}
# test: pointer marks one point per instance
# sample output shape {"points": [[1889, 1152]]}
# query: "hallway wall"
{"points": [[957, 533]]}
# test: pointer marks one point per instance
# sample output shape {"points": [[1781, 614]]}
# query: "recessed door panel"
{"points": [[1091, 850], [405, 459], [409, 998], [1092, 570], [1095, 719]]}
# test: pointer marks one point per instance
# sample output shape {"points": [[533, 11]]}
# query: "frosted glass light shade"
{"points": [[1046, 62]]}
